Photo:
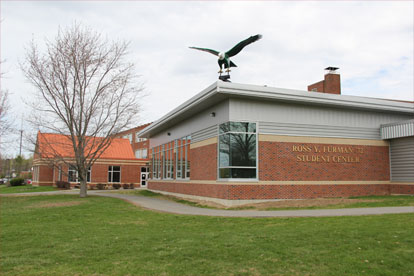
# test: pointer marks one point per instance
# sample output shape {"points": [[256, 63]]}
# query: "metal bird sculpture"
{"points": [[224, 57]]}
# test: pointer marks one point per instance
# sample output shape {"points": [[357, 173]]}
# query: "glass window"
{"points": [[156, 162], [60, 173], [182, 153], [237, 150], [114, 174], [73, 175], [168, 160]]}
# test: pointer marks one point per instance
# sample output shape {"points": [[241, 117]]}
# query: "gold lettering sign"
{"points": [[328, 153]]}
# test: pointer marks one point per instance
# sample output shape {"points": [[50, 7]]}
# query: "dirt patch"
{"points": [[136, 222], [288, 203], [316, 202], [55, 204]]}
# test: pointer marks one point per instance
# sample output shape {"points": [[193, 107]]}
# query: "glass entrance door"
{"points": [[144, 176]]}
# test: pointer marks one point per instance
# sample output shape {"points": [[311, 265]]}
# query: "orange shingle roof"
{"points": [[51, 145]]}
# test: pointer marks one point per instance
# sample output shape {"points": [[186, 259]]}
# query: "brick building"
{"points": [[140, 147], [117, 164], [242, 142]]}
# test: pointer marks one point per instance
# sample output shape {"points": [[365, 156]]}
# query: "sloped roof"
{"points": [[50, 145], [219, 91]]}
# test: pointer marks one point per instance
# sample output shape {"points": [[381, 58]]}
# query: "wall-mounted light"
{"points": [[169, 133], [213, 114]]}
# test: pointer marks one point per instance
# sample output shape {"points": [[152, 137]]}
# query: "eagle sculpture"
{"points": [[224, 57]]}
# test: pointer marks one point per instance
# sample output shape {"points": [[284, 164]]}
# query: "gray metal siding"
{"points": [[318, 130], [204, 134], [279, 112], [400, 129], [202, 121], [402, 159]]}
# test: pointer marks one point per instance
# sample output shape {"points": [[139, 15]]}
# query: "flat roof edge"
{"points": [[301, 96], [205, 93]]}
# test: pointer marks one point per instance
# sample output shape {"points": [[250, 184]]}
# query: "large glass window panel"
{"points": [[242, 127], [179, 158], [187, 168], [224, 150], [237, 150], [237, 172], [224, 128], [182, 153], [243, 150]]}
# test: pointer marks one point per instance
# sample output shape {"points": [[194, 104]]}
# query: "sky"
{"points": [[370, 41]]}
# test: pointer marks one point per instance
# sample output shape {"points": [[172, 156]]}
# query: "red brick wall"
{"points": [[268, 191], [206, 190], [45, 173], [402, 189], [304, 191], [331, 84], [129, 173], [279, 162], [204, 162], [319, 87]]}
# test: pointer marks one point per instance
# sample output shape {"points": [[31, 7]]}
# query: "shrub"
{"points": [[116, 186], [100, 186], [63, 185], [126, 186], [17, 181]]}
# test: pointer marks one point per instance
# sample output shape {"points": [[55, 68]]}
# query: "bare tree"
{"points": [[5, 125], [86, 90], [4, 108]]}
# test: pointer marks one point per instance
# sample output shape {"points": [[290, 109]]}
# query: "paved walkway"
{"points": [[177, 208]]}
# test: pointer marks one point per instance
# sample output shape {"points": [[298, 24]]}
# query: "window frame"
{"points": [[111, 172], [156, 162], [88, 174], [230, 179], [184, 148]]}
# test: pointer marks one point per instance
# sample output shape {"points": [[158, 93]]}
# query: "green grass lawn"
{"points": [[67, 235], [25, 189]]}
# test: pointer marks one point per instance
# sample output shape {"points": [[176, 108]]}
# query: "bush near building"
{"points": [[18, 181]]}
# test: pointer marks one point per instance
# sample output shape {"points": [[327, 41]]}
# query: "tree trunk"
{"points": [[83, 188]]}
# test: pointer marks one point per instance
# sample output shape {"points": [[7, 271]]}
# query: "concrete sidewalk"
{"points": [[168, 206]]}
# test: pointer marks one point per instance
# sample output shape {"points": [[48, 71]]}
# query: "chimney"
{"points": [[331, 84]]}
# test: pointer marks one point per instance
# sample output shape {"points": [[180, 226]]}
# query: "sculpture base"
{"points": [[225, 78]]}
